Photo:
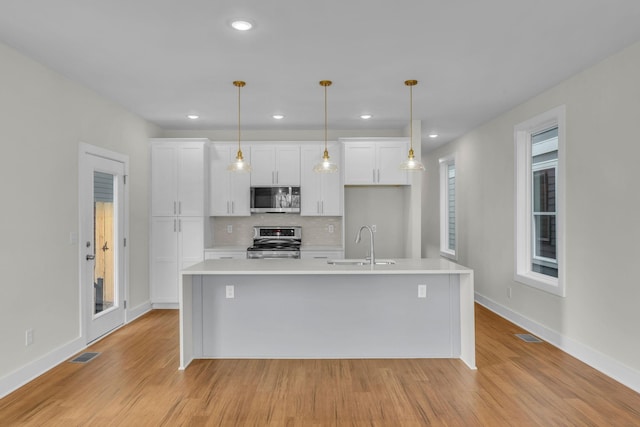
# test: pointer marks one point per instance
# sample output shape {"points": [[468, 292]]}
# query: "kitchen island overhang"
{"points": [[311, 309]]}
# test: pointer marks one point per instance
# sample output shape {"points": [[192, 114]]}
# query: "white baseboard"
{"points": [[165, 306], [31, 371], [603, 363], [137, 311]]}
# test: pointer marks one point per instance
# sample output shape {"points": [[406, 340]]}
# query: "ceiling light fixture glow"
{"points": [[193, 116], [242, 24], [433, 135], [278, 116], [366, 116]]}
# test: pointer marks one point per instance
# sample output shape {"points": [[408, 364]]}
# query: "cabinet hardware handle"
{"points": [[179, 226], [232, 207], [174, 207], [322, 206], [378, 176], [174, 225], [277, 177], [180, 208], [374, 174]]}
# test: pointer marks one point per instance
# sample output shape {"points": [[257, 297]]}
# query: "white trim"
{"points": [[133, 313], [601, 362], [445, 251], [522, 196], [21, 376], [165, 306]]}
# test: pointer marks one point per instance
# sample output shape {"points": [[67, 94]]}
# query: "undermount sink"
{"points": [[359, 262]]}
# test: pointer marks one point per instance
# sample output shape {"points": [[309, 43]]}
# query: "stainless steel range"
{"points": [[275, 242]]}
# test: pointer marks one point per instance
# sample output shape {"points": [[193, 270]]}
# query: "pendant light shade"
{"points": [[239, 165], [411, 164], [325, 165]]}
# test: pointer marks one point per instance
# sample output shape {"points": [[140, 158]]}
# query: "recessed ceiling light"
{"points": [[433, 135], [366, 116], [193, 116], [242, 24], [278, 116]]}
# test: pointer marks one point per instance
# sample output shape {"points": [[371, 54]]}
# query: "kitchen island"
{"points": [[415, 308]]}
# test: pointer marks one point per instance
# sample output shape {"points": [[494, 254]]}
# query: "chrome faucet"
{"points": [[359, 237]]}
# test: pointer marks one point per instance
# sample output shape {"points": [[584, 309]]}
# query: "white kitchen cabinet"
{"points": [[321, 193], [275, 164], [225, 254], [179, 176], [176, 243], [321, 254], [179, 194], [375, 161], [229, 192]]}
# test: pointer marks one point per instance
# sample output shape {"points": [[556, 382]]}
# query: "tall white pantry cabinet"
{"points": [[179, 203]]}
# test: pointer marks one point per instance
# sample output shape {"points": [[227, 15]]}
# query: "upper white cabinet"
{"points": [[275, 165], [321, 192], [229, 192], [375, 161], [178, 177]]}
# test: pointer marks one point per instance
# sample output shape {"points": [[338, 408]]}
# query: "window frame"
{"points": [[524, 251], [445, 251]]}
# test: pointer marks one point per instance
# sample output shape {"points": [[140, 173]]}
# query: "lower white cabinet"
{"points": [[321, 254], [225, 254], [176, 243]]}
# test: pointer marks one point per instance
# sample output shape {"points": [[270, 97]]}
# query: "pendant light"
{"points": [[325, 165], [411, 164], [239, 165]]}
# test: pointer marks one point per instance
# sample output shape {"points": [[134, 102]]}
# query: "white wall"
{"points": [[43, 118], [599, 316]]}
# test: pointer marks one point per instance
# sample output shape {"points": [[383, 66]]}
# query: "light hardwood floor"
{"points": [[135, 382]]}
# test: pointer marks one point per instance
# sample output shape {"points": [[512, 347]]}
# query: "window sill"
{"points": [[548, 284]]}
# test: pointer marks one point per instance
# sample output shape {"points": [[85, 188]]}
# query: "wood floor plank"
{"points": [[135, 382]]}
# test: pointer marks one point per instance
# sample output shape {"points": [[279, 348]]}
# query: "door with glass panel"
{"points": [[102, 241]]}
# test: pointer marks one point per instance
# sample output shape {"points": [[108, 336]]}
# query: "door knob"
{"points": [[90, 257]]}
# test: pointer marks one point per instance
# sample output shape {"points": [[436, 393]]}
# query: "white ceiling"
{"points": [[163, 59]]}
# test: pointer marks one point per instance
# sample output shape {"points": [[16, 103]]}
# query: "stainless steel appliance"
{"points": [[275, 199], [275, 242]]}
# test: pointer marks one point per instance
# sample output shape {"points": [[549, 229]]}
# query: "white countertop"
{"points": [[319, 266]]}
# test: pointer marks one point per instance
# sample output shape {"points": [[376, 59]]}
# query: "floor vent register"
{"points": [[85, 358], [528, 338]]}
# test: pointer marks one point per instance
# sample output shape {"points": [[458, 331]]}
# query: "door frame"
{"points": [[84, 151]]}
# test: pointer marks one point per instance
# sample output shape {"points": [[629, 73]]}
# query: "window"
{"points": [[539, 201], [448, 207]]}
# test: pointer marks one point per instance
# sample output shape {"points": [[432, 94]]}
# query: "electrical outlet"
{"points": [[422, 291], [374, 228], [509, 292], [28, 337], [229, 291], [229, 228], [330, 228]]}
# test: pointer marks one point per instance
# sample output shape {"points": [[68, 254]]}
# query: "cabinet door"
{"points": [[191, 241], [229, 193], [164, 180], [359, 164], [389, 157], [331, 186], [191, 176], [219, 178], [310, 181], [163, 264], [263, 165], [287, 165]]}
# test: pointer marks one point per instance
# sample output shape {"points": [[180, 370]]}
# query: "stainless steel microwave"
{"points": [[275, 199]]}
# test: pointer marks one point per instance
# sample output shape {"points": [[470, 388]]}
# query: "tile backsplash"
{"points": [[315, 229]]}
